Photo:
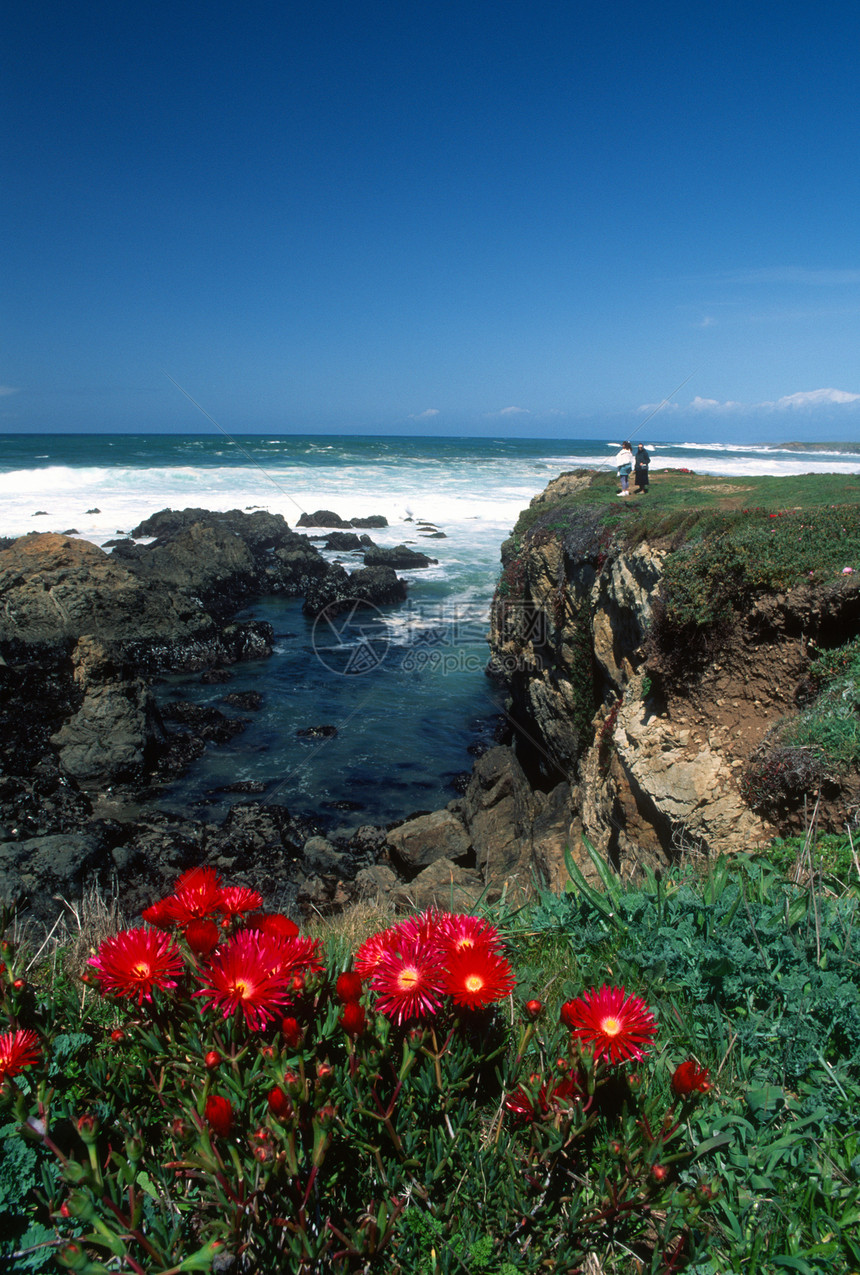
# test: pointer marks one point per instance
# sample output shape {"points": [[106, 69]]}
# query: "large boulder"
{"points": [[54, 588], [426, 838], [338, 590]]}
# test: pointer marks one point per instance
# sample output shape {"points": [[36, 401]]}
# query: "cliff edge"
{"points": [[654, 651]]}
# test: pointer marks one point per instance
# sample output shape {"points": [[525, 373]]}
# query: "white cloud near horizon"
{"points": [[802, 400], [8, 389], [425, 415], [514, 411]]}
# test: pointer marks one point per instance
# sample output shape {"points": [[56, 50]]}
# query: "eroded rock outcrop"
{"points": [[654, 765]]}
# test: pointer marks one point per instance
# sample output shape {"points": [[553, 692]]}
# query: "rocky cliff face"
{"points": [[652, 768]]}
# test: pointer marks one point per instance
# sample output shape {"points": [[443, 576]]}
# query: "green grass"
{"points": [[676, 500]]}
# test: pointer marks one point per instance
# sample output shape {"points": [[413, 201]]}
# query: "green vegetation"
{"points": [[509, 1160], [678, 500], [820, 743]]}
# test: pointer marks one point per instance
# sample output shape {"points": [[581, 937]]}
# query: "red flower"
{"points": [[133, 962], [457, 931], [247, 974], [219, 1114], [353, 1020], [18, 1049], [689, 1078], [274, 923], [298, 955], [202, 936], [475, 976], [239, 899], [198, 893], [616, 1026], [160, 915], [349, 987], [408, 980], [372, 951]]}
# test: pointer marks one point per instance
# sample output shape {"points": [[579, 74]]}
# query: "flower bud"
{"points": [[117, 1035], [19, 984], [659, 1172], [202, 936], [280, 1105], [88, 1128], [219, 1114], [534, 1009], [212, 1060], [353, 1020], [79, 1205], [292, 1032], [349, 987], [689, 1078]]}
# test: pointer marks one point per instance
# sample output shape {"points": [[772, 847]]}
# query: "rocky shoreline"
{"points": [[595, 752]]}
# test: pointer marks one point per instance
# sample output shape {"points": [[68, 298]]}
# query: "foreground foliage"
{"points": [[413, 1113]]}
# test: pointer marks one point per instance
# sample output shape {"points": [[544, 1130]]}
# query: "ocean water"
{"points": [[404, 689]]}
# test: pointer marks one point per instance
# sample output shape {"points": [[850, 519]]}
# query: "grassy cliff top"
{"points": [[679, 498]]}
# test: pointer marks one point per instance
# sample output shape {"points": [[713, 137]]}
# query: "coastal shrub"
{"points": [[732, 557], [821, 742], [760, 979], [217, 1097], [828, 853]]}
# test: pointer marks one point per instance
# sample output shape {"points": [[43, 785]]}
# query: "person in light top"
{"points": [[624, 465]]}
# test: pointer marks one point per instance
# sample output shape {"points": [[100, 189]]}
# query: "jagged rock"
{"points": [[371, 521], [338, 590], [445, 885], [401, 557], [55, 588], [375, 882], [250, 701], [36, 874], [421, 841], [321, 856], [322, 518], [346, 542]]}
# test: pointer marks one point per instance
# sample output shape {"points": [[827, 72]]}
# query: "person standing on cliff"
{"points": [[640, 472], [624, 465]]}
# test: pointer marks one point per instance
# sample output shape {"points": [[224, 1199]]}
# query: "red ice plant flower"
{"points": [[372, 951], [160, 915], [457, 931], [689, 1078], [18, 1049], [198, 893], [476, 976], [219, 1114], [236, 900], [615, 1025], [408, 981], [246, 974], [133, 962], [274, 923]]}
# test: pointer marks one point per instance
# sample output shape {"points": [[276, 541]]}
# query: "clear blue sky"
{"points": [[472, 217]]}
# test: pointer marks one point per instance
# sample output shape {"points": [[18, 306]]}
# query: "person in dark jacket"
{"points": [[640, 468]]}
